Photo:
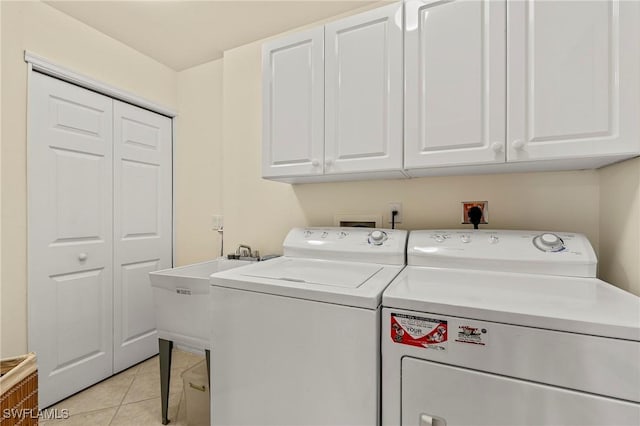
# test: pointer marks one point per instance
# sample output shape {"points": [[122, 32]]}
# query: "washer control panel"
{"points": [[539, 252], [386, 246]]}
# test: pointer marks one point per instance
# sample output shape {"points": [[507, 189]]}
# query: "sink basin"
{"points": [[181, 302]]}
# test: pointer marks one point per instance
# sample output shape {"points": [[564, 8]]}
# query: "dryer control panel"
{"points": [[384, 246], [537, 252]]}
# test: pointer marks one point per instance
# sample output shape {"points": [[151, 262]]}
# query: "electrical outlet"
{"points": [[397, 207], [483, 205], [217, 222]]}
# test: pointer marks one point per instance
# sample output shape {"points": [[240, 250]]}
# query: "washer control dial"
{"points": [[548, 242], [377, 237]]}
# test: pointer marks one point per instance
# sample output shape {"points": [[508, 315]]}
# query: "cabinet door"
{"points": [[363, 92], [70, 236], [293, 105], [454, 83], [142, 227], [573, 79]]}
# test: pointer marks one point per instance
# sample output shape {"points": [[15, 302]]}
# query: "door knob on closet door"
{"points": [[518, 144], [497, 147], [82, 257]]}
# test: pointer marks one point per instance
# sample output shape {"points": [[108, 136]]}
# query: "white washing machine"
{"points": [[296, 340], [507, 328]]}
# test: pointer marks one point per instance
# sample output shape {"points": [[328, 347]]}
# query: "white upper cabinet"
{"points": [[433, 87], [363, 92], [293, 105], [574, 79], [455, 59]]}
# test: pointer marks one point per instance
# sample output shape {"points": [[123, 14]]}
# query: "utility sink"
{"points": [[181, 302]]}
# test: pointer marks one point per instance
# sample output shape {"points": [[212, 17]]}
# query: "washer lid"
{"points": [[307, 271], [578, 305], [344, 283]]}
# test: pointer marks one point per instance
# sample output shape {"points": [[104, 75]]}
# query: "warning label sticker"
{"points": [[474, 335], [430, 333]]}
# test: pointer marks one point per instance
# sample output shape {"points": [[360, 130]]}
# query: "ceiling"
{"points": [[184, 33]]}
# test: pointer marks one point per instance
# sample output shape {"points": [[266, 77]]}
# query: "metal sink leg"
{"points": [[165, 347]]}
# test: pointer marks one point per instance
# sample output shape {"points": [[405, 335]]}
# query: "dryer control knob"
{"points": [[377, 237], [549, 239], [548, 242]]}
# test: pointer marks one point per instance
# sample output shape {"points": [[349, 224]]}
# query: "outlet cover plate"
{"points": [[484, 206], [397, 207]]}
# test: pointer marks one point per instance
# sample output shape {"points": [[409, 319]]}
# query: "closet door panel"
{"points": [[69, 235], [142, 226]]}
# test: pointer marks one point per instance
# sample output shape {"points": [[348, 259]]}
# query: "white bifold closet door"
{"points": [[142, 227], [70, 236], [99, 219]]}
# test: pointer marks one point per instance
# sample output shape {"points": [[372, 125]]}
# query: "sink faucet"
{"points": [[244, 250]]}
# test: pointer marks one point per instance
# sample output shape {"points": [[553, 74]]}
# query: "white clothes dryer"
{"points": [[296, 339], [507, 328]]}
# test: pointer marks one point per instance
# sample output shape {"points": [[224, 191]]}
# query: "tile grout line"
{"points": [[124, 395]]}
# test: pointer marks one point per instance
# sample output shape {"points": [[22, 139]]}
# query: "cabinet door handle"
{"points": [[315, 163], [82, 257], [497, 146], [518, 144], [328, 162]]}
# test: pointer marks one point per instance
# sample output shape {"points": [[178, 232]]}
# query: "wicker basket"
{"points": [[19, 391]]}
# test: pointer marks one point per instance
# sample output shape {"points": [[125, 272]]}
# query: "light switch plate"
{"points": [[217, 222]]}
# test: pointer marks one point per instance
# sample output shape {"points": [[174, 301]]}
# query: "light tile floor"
{"points": [[130, 398]]}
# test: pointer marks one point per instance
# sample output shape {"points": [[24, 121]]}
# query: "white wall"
{"points": [[198, 162], [37, 27], [620, 225], [1, 83]]}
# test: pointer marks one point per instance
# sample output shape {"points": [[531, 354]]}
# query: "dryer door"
{"points": [[437, 395]]}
